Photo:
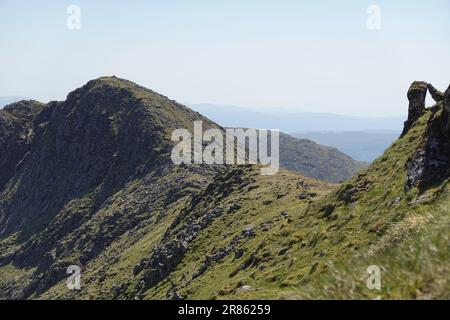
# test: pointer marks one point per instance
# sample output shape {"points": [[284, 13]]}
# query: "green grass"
{"points": [[311, 253]]}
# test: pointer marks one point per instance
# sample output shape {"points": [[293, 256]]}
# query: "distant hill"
{"points": [[315, 160], [360, 145], [363, 139]]}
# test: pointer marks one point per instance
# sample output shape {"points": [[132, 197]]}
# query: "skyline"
{"points": [[305, 57]]}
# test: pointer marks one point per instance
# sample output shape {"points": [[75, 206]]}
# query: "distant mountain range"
{"points": [[360, 145], [362, 138], [292, 122]]}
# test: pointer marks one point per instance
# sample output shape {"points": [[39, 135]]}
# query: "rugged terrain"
{"points": [[89, 182]]}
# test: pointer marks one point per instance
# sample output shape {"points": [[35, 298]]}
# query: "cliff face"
{"points": [[16, 126]]}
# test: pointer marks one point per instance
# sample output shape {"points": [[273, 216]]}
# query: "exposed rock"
{"points": [[234, 207], [284, 214], [327, 210], [249, 231], [429, 164], [283, 251], [16, 134], [435, 94], [239, 253], [416, 96], [446, 114], [307, 195], [244, 288], [172, 293]]}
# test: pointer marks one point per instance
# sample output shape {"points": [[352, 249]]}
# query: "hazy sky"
{"points": [[302, 55]]}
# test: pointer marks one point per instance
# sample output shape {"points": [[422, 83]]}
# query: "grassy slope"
{"points": [[293, 259], [312, 253], [408, 241], [262, 249], [115, 265]]}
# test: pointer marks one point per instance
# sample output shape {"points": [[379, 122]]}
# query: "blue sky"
{"points": [[297, 55]]}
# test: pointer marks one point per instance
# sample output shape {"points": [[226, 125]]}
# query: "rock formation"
{"points": [[446, 113], [416, 96], [435, 94], [430, 163]]}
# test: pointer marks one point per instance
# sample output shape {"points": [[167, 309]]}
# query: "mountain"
{"points": [[293, 122], [96, 188], [317, 161], [360, 145]]}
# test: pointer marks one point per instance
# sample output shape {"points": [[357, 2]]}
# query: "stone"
{"points": [[234, 207], [327, 210], [283, 251], [244, 288], [445, 123], [416, 96], [284, 214], [249, 231], [435, 94], [239, 253]]}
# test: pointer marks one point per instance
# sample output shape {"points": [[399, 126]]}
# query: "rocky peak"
{"points": [[416, 96], [430, 164]]}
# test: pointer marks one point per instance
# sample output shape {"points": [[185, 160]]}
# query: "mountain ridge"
{"points": [[96, 188]]}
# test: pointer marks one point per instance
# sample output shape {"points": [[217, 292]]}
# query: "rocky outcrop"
{"points": [[446, 113], [16, 128], [416, 96], [185, 228], [435, 93], [430, 164]]}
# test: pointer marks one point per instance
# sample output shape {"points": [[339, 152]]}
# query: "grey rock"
{"points": [[435, 94], [416, 96]]}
